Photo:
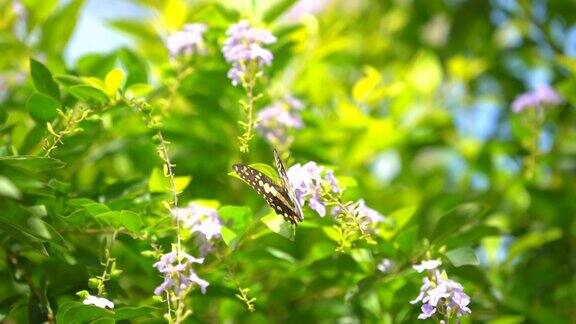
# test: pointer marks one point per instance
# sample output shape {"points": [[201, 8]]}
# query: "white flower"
{"points": [[98, 301], [427, 265]]}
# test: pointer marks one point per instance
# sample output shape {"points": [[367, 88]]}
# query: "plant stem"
{"points": [[105, 275], [169, 170]]}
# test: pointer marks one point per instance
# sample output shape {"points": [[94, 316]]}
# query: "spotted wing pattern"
{"points": [[275, 195], [286, 184]]}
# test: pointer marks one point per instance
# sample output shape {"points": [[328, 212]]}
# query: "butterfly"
{"points": [[280, 197]]}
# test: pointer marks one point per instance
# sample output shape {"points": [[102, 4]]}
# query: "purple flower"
{"points": [[542, 95], [304, 8], [167, 283], [200, 219], [306, 180], [427, 311], [188, 41], [332, 181], [178, 271], [426, 284], [366, 213], [310, 181], [386, 265], [199, 281], [276, 120], [438, 293], [317, 205], [244, 46]]}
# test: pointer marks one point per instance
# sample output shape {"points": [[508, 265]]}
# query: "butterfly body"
{"points": [[279, 197]]}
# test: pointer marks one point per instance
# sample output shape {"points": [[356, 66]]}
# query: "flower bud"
{"points": [[115, 273], [157, 126], [146, 109], [94, 282]]}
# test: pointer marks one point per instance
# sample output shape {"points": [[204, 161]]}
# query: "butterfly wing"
{"points": [[275, 196], [286, 184]]}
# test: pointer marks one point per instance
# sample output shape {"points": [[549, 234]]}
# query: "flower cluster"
{"points": [[542, 95], [202, 220], [440, 295], [188, 41], [308, 181], [98, 301], [178, 273], [244, 50], [276, 120]]}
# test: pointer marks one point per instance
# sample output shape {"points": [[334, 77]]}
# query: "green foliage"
{"points": [[408, 102], [43, 80], [41, 107]]}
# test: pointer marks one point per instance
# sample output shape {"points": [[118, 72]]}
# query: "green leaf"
{"points": [[472, 235], [139, 90], [130, 220], [136, 68], [95, 209], [228, 235], [58, 28], [462, 256], [24, 224], [403, 216], [76, 313], [21, 234], [236, 217], [60, 186], [8, 189], [31, 163], [406, 239], [181, 183], [531, 241], [127, 313], [43, 80], [125, 218], [88, 93], [78, 202], [278, 225], [68, 80], [277, 10], [42, 108], [281, 255], [96, 65], [158, 182], [455, 220]]}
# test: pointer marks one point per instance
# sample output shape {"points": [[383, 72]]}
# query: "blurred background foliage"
{"points": [[408, 101]]}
